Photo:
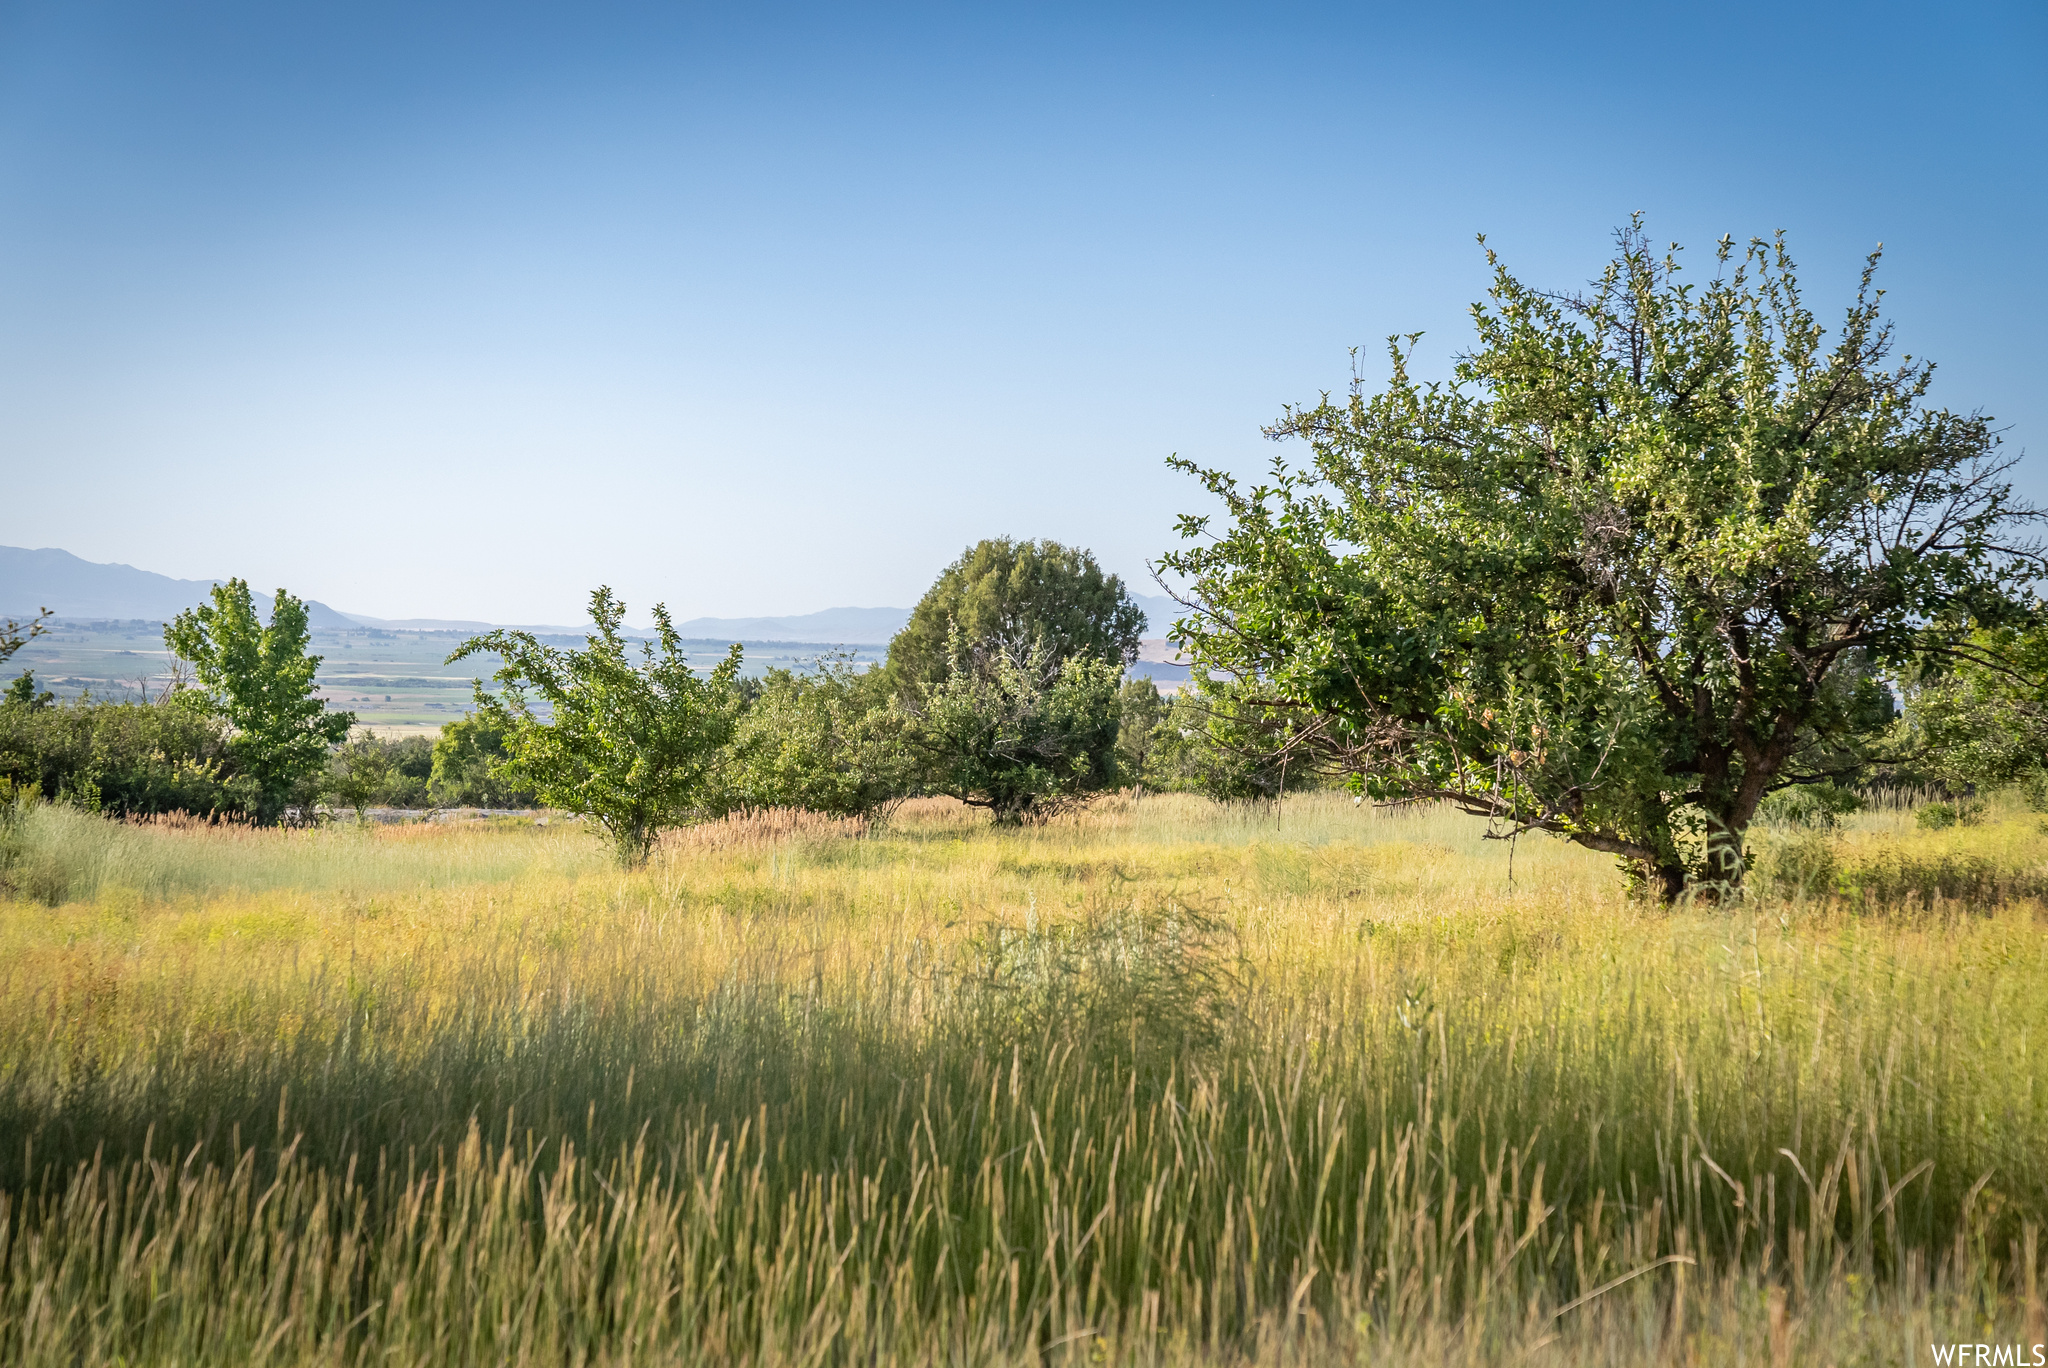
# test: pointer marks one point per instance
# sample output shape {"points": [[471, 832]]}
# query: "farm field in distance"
{"points": [[1166, 1081], [394, 681]]}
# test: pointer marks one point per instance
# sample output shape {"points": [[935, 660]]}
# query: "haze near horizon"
{"points": [[459, 314]]}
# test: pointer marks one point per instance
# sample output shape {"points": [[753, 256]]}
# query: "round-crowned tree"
{"points": [[1012, 598], [1008, 671]]}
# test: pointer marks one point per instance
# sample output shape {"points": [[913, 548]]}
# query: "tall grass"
{"points": [[1158, 1083], [54, 854]]}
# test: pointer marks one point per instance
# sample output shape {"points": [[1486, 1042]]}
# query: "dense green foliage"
{"points": [[23, 693], [1640, 563], [830, 741], [1141, 713], [1982, 721], [259, 680], [634, 747], [1024, 735], [124, 759], [1008, 672], [1215, 742], [1013, 597], [467, 768], [373, 771]]}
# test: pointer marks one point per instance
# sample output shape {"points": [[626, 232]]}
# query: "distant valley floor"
{"points": [[393, 681]]}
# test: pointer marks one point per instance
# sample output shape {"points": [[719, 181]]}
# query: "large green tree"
{"points": [[1644, 558], [632, 745], [259, 679], [1015, 596]]}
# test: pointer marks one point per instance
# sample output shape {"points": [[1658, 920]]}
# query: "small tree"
{"points": [[1019, 734], [829, 741], [1641, 562], [634, 747], [259, 679], [1217, 742], [22, 693], [1013, 597], [357, 772]]}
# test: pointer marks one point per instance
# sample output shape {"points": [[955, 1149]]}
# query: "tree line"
{"points": [[1005, 689], [1657, 554]]}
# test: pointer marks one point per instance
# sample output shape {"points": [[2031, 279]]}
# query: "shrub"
{"points": [[1020, 734], [1804, 867], [125, 759], [1810, 805], [1942, 816], [1147, 983], [829, 742], [466, 767], [1213, 742], [1893, 876]]}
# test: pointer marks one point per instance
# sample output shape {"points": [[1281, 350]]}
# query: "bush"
{"points": [[1213, 743], [1804, 867], [1148, 983], [1141, 713], [1942, 816], [829, 742], [124, 759], [466, 767], [1020, 734], [373, 771], [1893, 876], [1810, 805]]}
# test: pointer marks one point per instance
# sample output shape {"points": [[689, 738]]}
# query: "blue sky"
{"points": [[761, 309]]}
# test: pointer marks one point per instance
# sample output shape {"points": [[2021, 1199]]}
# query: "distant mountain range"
{"points": [[31, 581], [75, 588]]}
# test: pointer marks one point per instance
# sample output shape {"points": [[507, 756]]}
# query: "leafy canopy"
{"points": [[1982, 720], [1022, 734], [1641, 561], [259, 679], [633, 746], [139, 758], [828, 741], [467, 764], [1013, 596]]}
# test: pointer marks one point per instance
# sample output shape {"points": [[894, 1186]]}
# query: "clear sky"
{"points": [[461, 310]]}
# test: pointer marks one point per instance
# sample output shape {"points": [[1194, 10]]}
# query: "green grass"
{"points": [[1164, 1082]]}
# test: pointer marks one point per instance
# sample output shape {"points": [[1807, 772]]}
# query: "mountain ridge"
{"points": [[72, 587]]}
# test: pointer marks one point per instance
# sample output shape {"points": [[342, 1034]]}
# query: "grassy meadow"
{"points": [[1162, 1082]]}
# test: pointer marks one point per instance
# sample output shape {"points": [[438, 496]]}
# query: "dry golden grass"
{"points": [[1158, 1082]]}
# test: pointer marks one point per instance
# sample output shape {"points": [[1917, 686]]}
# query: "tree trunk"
{"points": [[1722, 877]]}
